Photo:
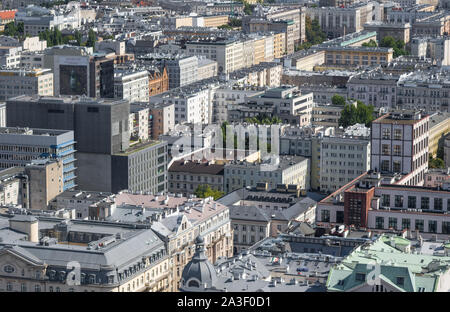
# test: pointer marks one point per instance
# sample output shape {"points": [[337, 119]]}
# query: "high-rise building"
{"points": [[399, 144]]}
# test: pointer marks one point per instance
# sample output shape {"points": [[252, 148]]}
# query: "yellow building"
{"points": [[279, 45], [357, 56], [439, 127], [259, 47], [215, 21]]}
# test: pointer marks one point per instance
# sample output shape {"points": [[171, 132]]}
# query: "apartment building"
{"points": [[399, 144], [138, 123], [181, 220], [342, 159], [10, 56], [186, 176], [158, 81], [193, 103], [181, 70], [285, 102], [20, 146], [227, 96], [374, 88], [416, 90], [264, 74], [131, 85], [15, 82], [371, 203], [339, 21], [287, 170], [143, 264]]}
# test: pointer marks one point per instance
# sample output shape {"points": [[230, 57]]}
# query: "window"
{"points": [[406, 224], [379, 222], [398, 201], [396, 166], [445, 227], [23, 288], [400, 281], [419, 225], [438, 204], [325, 216], [386, 200], [397, 150], [361, 277], [425, 203], [385, 149], [9, 286], [397, 134], [412, 201], [432, 226], [385, 165], [37, 288], [386, 133]]}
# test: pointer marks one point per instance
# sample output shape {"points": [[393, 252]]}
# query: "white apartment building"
{"points": [[193, 103], [342, 159], [132, 86], [399, 144], [10, 56], [15, 82]]}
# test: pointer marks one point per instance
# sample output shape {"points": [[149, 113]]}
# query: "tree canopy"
{"points": [[338, 100], [435, 163], [371, 44], [351, 115], [397, 45], [314, 34], [91, 38], [205, 190], [53, 37], [264, 120], [13, 30]]}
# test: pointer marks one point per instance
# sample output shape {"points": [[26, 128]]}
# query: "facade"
{"points": [[186, 176], [342, 159], [289, 170], [286, 102], [131, 86], [20, 146], [140, 168], [15, 82], [137, 258], [399, 144], [182, 71], [46, 181], [158, 82]]}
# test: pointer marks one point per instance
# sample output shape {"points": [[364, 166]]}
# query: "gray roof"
{"points": [[250, 213]]}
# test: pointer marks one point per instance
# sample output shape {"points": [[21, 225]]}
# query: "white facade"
{"points": [[132, 86]]}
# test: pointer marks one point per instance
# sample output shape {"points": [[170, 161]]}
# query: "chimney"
{"points": [[26, 224]]}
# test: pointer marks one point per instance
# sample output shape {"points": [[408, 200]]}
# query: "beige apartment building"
{"points": [[46, 182], [15, 82]]}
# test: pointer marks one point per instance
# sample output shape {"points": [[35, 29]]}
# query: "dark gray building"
{"points": [[143, 167], [106, 162]]}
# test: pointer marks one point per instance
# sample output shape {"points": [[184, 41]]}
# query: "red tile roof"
{"points": [[7, 14]]}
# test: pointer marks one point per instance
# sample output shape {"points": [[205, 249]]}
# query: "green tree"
{"points": [[91, 38], [371, 44], [435, 163], [338, 100], [397, 45], [351, 115], [205, 190], [314, 34]]}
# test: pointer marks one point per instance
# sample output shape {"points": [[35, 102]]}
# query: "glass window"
{"points": [[398, 201], [325, 216], [432, 226], [406, 224], [386, 200], [379, 223], [412, 201], [425, 203], [419, 225], [445, 227], [392, 223], [438, 204]]}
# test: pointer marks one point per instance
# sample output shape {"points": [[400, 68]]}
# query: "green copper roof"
{"points": [[402, 271]]}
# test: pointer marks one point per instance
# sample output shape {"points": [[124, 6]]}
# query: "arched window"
{"points": [[193, 283]]}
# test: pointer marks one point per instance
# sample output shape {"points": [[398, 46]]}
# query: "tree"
{"points": [[91, 38], [314, 34], [435, 163], [371, 44], [338, 100], [351, 115], [205, 190], [397, 45]]}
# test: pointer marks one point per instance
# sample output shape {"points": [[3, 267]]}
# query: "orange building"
{"points": [[158, 82]]}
